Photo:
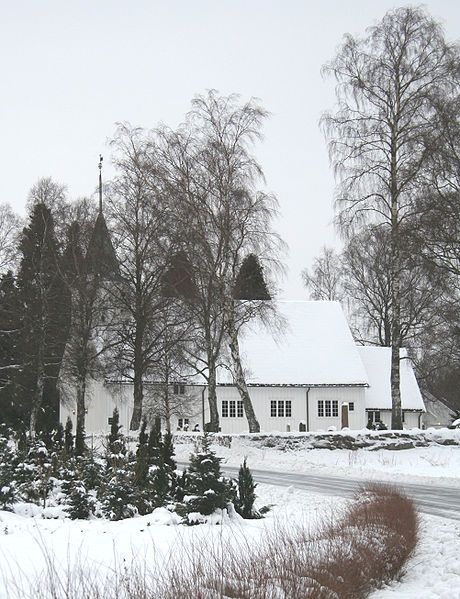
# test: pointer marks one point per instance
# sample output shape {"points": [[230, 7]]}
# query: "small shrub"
{"points": [[244, 503], [206, 490], [68, 438], [8, 458]]}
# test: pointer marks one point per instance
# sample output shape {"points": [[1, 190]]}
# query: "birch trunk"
{"points": [[396, 413], [136, 416], [213, 424], [138, 401], [40, 384], [167, 407], [81, 415], [239, 378], [37, 401]]}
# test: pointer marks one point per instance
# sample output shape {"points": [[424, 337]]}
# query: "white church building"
{"points": [[309, 376]]}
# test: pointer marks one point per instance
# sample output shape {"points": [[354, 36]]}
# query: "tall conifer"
{"points": [[45, 319]]}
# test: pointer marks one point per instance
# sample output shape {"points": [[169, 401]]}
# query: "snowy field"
{"points": [[28, 543], [31, 544]]}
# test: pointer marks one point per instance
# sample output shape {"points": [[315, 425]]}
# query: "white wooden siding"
{"points": [[411, 419], [102, 399], [261, 398], [356, 418]]}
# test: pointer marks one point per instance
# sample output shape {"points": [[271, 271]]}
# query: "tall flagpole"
{"points": [[100, 183]]}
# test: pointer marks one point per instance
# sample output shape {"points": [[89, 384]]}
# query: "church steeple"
{"points": [[100, 256]]}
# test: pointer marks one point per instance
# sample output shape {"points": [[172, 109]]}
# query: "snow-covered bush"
{"points": [[68, 438], [80, 480], [118, 492], [206, 490], [118, 495], [34, 474], [8, 457], [154, 470], [162, 472], [244, 503]]}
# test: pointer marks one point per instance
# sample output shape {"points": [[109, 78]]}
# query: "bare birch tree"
{"points": [[53, 195], [383, 133], [436, 238], [227, 217], [10, 226], [140, 211], [367, 283], [324, 280]]}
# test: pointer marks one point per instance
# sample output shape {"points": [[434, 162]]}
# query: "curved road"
{"points": [[433, 499]]}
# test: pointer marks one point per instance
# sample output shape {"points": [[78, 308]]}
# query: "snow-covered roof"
{"points": [[377, 362], [313, 347]]}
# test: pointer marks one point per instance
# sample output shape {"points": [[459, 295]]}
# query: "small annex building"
{"points": [[307, 375], [439, 414]]}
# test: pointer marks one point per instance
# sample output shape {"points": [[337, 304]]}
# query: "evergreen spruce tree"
{"points": [[45, 319], [80, 504], [206, 490], [82, 478], [8, 460], [244, 504], [142, 457], [13, 403], [154, 443], [141, 472], [116, 448], [167, 452], [163, 472], [118, 493], [58, 438], [119, 497], [91, 470], [250, 283], [34, 473], [68, 437], [181, 486]]}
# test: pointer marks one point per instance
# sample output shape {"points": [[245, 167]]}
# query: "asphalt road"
{"points": [[433, 499]]}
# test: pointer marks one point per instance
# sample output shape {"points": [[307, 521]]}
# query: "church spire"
{"points": [[100, 255], [101, 158]]}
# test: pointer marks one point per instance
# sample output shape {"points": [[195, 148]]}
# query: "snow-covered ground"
{"points": [[434, 571], [98, 546], [28, 544]]}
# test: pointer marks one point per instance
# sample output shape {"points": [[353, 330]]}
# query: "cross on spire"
{"points": [[101, 158]]}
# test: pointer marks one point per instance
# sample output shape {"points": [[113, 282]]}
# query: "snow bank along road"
{"points": [[432, 499]]}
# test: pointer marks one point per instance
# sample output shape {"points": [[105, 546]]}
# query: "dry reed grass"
{"points": [[366, 548]]}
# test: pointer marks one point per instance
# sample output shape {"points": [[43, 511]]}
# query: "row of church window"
{"points": [[280, 408], [232, 408], [328, 408]]}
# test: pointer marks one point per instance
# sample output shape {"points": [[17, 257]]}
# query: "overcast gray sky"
{"points": [[70, 70]]}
